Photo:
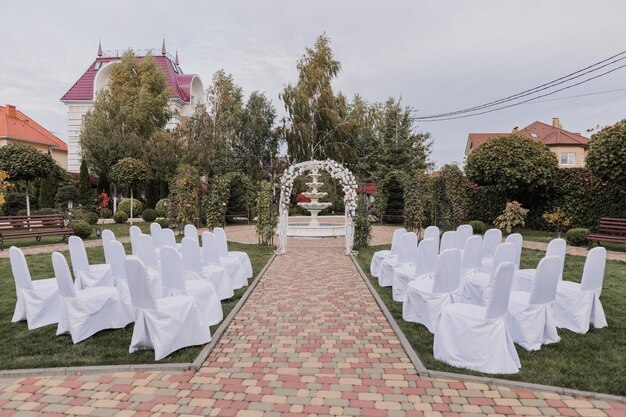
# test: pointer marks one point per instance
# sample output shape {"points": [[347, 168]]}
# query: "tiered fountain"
{"points": [[314, 228]]}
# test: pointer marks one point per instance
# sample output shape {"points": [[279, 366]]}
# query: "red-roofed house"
{"points": [[16, 127], [570, 148], [186, 91]]}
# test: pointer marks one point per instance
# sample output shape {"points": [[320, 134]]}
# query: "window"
{"points": [[568, 158], [534, 135], [97, 66]]}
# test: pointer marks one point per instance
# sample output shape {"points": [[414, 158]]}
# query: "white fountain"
{"points": [[314, 228]]}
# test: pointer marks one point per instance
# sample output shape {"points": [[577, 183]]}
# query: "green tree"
{"points": [[49, 185], [514, 166], [25, 163], [129, 171], [85, 193], [125, 114], [458, 189], [316, 125], [364, 140], [162, 155], [184, 196], [607, 154]]}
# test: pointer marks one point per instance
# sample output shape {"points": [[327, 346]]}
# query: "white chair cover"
{"points": [[157, 237], [491, 240], [211, 256], [432, 232], [175, 284], [407, 253], [192, 233], [147, 252], [524, 279], [517, 240], [164, 324], [530, 318], [449, 240], [169, 238], [578, 305], [88, 311], [213, 273], [117, 259], [107, 236], [222, 243], [134, 233], [475, 337], [464, 232], [38, 302], [472, 255], [425, 298], [87, 276], [477, 286], [425, 264], [381, 255]]}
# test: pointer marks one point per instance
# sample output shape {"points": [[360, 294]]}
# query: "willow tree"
{"points": [[316, 124]]}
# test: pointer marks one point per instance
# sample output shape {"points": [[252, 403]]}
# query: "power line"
{"points": [[524, 101], [579, 95], [546, 86]]}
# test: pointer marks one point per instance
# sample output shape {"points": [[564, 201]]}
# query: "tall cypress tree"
{"points": [[85, 193]]}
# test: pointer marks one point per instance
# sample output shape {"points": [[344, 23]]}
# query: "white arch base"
{"points": [[336, 171]]}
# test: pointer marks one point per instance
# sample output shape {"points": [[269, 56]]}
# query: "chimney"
{"points": [[515, 129], [556, 123], [11, 111]]}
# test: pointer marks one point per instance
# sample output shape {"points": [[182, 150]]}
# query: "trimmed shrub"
{"points": [[124, 206], [165, 223], [149, 215], [64, 194], [91, 217], [46, 211], [577, 236], [514, 215], [14, 202], [22, 212], [83, 230], [478, 226], [120, 216], [106, 213], [160, 208]]}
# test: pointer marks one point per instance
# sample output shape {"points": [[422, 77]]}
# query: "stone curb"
{"points": [[424, 372], [157, 367]]}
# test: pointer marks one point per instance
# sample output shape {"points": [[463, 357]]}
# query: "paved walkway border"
{"points": [[164, 367], [425, 372]]}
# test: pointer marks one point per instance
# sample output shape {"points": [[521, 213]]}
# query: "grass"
{"points": [[592, 362], [41, 348]]}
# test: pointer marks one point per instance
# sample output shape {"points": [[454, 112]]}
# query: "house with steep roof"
{"points": [[186, 92], [570, 148], [17, 127]]}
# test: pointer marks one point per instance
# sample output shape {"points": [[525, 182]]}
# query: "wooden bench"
{"points": [[37, 226], [609, 230]]}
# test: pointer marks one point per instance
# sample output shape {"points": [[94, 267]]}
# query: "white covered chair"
{"points": [[491, 239], [424, 264], [524, 279], [449, 240], [530, 315], [517, 240], [464, 232], [134, 232], [407, 254], [164, 324], [155, 232], [222, 244], [215, 274], [117, 256], [432, 232], [211, 256], [85, 275], [425, 298], [88, 311], [38, 302], [169, 238], [202, 290], [191, 232], [477, 286], [578, 305], [107, 236], [147, 252], [476, 337], [470, 261], [381, 255]]}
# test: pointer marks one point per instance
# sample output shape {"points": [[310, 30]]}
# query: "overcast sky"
{"points": [[438, 55]]}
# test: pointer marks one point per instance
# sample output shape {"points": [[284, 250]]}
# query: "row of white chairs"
{"points": [[455, 294]]}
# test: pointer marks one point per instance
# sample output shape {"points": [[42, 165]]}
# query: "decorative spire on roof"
{"points": [[176, 60], [99, 47], [163, 50]]}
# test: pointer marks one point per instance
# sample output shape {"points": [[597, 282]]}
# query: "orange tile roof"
{"points": [[16, 125]]}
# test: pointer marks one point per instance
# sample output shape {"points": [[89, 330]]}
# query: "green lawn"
{"points": [[41, 348], [592, 362]]}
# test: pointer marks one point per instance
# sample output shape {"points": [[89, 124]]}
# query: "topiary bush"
{"points": [[577, 236], [106, 213], [46, 211], [120, 216], [478, 226], [149, 215], [91, 217], [124, 206], [160, 208], [82, 229], [163, 222], [22, 212]]}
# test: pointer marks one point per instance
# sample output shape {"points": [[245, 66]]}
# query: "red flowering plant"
{"points": [[104, 203]]}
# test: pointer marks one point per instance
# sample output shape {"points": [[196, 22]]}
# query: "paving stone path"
{"points": [[310, 341]]}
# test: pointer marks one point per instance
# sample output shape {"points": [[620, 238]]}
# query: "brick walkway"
{"points": [[310, 341]]}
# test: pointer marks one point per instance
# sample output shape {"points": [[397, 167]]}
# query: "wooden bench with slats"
{"points": [[37, 226], [609, 230]]}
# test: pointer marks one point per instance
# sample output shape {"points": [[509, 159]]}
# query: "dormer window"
{"points": [[534, 135], [97, 66], [176, 70]]}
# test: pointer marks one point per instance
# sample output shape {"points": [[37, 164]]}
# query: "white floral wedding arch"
{"points": [[336, 171]]}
